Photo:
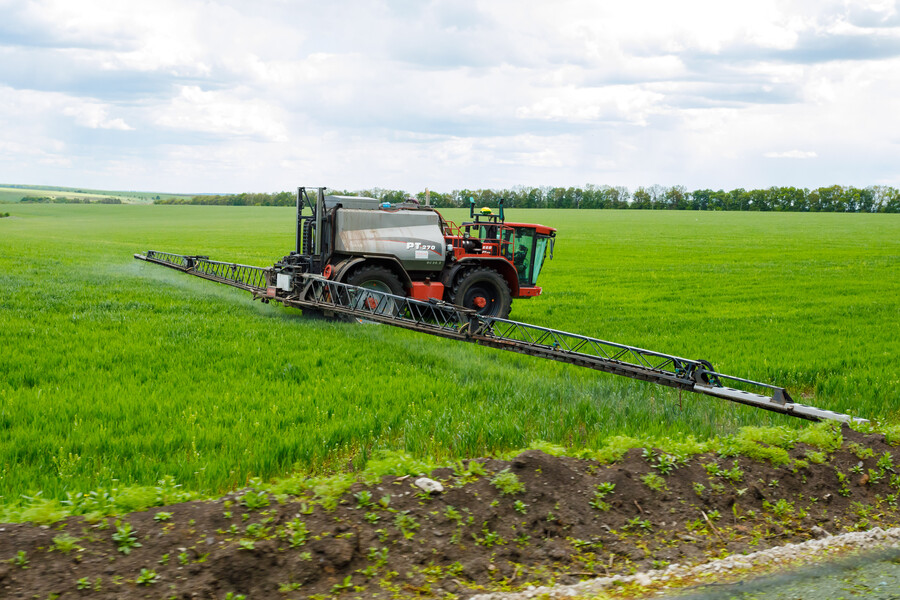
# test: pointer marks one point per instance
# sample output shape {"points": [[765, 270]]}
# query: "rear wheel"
{"points": [[379, 279], [483, 290]]}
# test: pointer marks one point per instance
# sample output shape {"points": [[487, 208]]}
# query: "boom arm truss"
{"points": [[450, 321]]}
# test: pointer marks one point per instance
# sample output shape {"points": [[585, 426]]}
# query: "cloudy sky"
{"points": [[264, 95]]}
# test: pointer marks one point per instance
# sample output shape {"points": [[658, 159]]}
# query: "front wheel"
{"points": [[484, 291]]}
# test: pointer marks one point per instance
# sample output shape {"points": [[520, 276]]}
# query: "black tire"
{"points": [[380, 279], [483, 290]]}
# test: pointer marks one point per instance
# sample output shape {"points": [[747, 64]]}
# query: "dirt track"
{"points": [[554, 525]]}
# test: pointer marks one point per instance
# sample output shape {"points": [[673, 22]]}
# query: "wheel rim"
{"points": [[377, 285], [375, 303], [483, 298]]}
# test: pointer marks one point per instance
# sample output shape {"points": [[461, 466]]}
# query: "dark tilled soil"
{"points": [[467, 539]]}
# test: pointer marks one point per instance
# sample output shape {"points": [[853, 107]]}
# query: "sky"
{"points": [[221, 96]]}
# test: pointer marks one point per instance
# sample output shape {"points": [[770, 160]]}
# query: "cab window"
{"points": [[540, 252], [523, 254]]}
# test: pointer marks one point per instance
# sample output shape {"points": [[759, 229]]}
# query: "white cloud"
{"points": [[228, 114], [630, 104], [41, 119], [791, 154], [95, 116], [449, 93]]}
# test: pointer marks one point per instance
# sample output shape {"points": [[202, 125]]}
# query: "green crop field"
{"points": [[117, 372], [15, 193]]}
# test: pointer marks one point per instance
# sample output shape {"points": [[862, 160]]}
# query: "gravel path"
{"points": [[790, 555]]}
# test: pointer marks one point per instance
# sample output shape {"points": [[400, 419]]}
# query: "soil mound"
{"points": [[496, 526]]}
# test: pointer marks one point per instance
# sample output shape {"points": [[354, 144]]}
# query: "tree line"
{"points": [[243, 199], [836, 198]]}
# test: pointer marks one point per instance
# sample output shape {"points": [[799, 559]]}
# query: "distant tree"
{"points": [[536, 198], [865, 200], [758, 200], [831, 199], [657, 196], [641, 199], [889, 200], [618, 197], [700, 199], [813, 201], [738, 199], [592, 197], [675, 198]]}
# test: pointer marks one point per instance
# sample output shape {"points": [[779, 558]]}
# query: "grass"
{"points": [[116, 372]]}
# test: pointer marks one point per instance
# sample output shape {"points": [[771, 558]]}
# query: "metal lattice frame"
{"points": [[246, 277], [375, 305], [450, 321], [167, 258], [588, 347]]}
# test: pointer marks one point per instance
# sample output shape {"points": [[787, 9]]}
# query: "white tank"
{"points": [[413, 236]]}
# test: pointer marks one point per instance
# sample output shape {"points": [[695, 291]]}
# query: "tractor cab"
{"points": [[525, 245]]}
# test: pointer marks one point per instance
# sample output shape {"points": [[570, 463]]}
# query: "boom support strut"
{"points": [[450, 321]]}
